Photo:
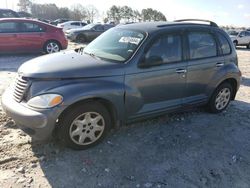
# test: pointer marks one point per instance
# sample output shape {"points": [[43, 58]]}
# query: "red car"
{"points": [[27, 35]]}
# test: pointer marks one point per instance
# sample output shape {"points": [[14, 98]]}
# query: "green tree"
{"points": [[114, 14], [150, 14], [126, 13], [24, 5], [78, 12]]}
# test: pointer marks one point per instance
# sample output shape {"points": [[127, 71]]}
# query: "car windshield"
{"points": [[116, 45]]}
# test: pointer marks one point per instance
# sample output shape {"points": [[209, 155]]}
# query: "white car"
{"points": [[242, 39], [71, 25]]}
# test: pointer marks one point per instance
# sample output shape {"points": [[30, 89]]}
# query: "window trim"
{"points": [[201, 31]]}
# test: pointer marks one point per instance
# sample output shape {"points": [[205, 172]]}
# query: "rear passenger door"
{"points": [[203, 64], [98, 29], [31, 36]]}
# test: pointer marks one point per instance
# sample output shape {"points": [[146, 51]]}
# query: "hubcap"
{"points": [[222, 99], [87, 128], [52, 47]]}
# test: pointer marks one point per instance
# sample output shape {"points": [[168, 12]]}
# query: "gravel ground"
{"points": [[190, 149]]}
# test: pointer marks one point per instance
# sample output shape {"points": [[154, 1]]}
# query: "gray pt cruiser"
{"points": [[129, 73]]}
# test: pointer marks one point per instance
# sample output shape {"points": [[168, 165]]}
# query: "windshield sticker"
{"points": [[132, 40]]}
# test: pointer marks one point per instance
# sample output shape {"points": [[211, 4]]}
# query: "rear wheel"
{"points": [[220, 98], [84, 126], [51, 47], [235, 43], [81, 38]]}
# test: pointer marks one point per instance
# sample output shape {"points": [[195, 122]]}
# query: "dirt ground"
{"points": [[191, 149]]}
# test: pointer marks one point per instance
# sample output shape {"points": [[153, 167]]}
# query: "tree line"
{"points": [[89, 13]]}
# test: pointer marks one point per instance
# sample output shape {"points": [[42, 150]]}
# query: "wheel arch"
{"points": [[106, 103], [233, 83]]}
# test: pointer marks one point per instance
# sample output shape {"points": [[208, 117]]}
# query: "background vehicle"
{"points": [[87, 33], [129, 73], [58, 21], [26, 35], [71, 25], [242, 39], [7, 13]]}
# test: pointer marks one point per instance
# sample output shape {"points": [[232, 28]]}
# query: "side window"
{"points": [[75, 23], [31, 27], [225, 47], [247, 33], [201, 45], [166, 49], [8, 27], [99, 28]]}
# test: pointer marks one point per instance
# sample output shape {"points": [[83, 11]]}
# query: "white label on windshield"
{"points": [[132, 40]]}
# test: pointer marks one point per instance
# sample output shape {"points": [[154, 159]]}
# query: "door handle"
{"points": [[179, 71], [220, 64]]}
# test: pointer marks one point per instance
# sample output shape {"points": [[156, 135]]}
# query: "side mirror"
{"points": [[150, 61]]}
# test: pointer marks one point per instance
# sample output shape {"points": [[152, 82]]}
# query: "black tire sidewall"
{"points": [[81, 38], [211, 103], [69, 117]]}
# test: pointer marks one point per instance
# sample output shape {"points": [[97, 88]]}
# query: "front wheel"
{"points": [[220, 98], [84, 126]]}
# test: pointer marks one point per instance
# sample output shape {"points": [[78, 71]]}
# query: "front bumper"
{"points": [[39, 124]]}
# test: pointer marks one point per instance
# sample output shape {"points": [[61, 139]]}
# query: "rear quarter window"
{"points": [[224, 44]]}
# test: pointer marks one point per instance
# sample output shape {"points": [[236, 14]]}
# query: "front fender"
{"points": [[109, 89]]}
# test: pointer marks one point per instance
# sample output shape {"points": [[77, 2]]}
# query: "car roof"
{"points": [[151, 27], [26, 20]]}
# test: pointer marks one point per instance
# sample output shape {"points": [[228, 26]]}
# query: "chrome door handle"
{"points": [[219, 64], [179, 71]]}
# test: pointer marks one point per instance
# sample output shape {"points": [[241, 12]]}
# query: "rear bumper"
{"points": [[39, 124]]}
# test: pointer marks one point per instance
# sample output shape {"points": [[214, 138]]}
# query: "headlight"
{"points": [[45, 101]]}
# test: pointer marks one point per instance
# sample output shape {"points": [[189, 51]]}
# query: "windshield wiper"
{"points": [[92, 55]]}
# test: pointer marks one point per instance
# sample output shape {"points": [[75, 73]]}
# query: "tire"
{"points": [[51, 47], [221, 98], [84, 126], [235, 43], [81, 39]]}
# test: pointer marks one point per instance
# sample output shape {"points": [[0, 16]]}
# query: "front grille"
{"points": [[20, 88]]}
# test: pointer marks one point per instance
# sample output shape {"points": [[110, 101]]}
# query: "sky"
{"points": [[223, 12]]}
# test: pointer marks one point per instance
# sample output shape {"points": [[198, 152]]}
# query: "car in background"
{"points": [[27, 35], [87, 33], [242, 39], [8, 13], [71, 25], [58, 21], [232, 32]]}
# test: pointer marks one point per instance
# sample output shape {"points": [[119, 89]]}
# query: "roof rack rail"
{"points": [[198, 20]]}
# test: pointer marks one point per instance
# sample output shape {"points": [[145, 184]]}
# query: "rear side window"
{"points": [[225, 47], [30, 27], [167, 48], [201, 45], [75, 23], [8, 27], [99, 28]]}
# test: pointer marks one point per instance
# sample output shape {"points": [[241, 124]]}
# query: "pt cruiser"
{"points": [[128, 73]]}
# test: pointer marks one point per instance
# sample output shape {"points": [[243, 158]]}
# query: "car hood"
{"points": [[69, 64]]}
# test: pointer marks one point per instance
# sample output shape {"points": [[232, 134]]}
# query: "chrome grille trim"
{"points": [[20, 87]]}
